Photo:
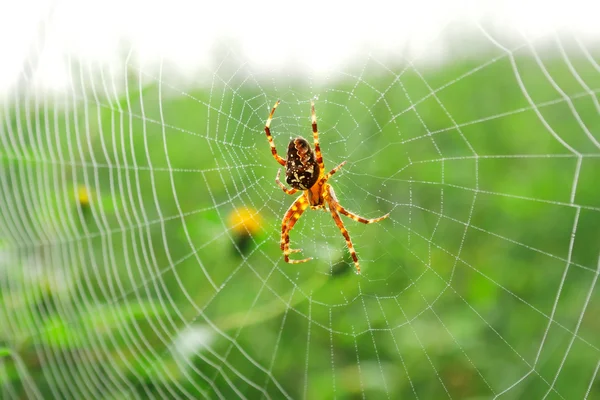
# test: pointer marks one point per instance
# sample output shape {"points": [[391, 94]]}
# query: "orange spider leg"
{"points": [[270, 138], [288, 191], [316, 136], [340, 225], [333, 171], [358, 218], [334, 207], [289, 220], [333, 201]]}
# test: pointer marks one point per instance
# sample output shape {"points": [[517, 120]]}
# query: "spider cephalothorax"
{"points": [[305, 170]]}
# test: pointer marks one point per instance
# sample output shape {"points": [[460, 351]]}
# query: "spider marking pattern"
{"points": [[305, 171]]}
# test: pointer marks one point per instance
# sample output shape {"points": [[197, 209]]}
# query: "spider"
{"points": [[305, 171]]}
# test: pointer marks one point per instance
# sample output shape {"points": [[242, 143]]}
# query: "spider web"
{"points": [[140, 225]]}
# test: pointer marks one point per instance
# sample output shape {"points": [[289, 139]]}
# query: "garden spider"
{"points": [[305, 170]]}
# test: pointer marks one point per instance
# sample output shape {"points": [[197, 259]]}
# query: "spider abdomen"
{"points": [[301, 168]]}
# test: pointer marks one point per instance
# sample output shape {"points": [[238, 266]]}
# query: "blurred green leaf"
{"points": [[102, 320], [5, 352]]}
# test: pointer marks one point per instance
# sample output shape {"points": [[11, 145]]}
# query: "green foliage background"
{"points": [[459, 284]]}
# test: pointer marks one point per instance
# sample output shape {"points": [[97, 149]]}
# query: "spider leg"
{"points": [[333, 171], [270, 138], [288, 191], [340, 225], [316, 136], [333, 201], [358, 218], [334, 208], [289, 220]]}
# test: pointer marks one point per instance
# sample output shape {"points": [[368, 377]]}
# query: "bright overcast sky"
{"points": [[268, 35]]}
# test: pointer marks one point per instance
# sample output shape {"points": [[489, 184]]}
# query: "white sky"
{"points": [[313, 36]]}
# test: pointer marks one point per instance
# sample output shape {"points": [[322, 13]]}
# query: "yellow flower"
{"points": [[83, 196], [245, 221]]}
